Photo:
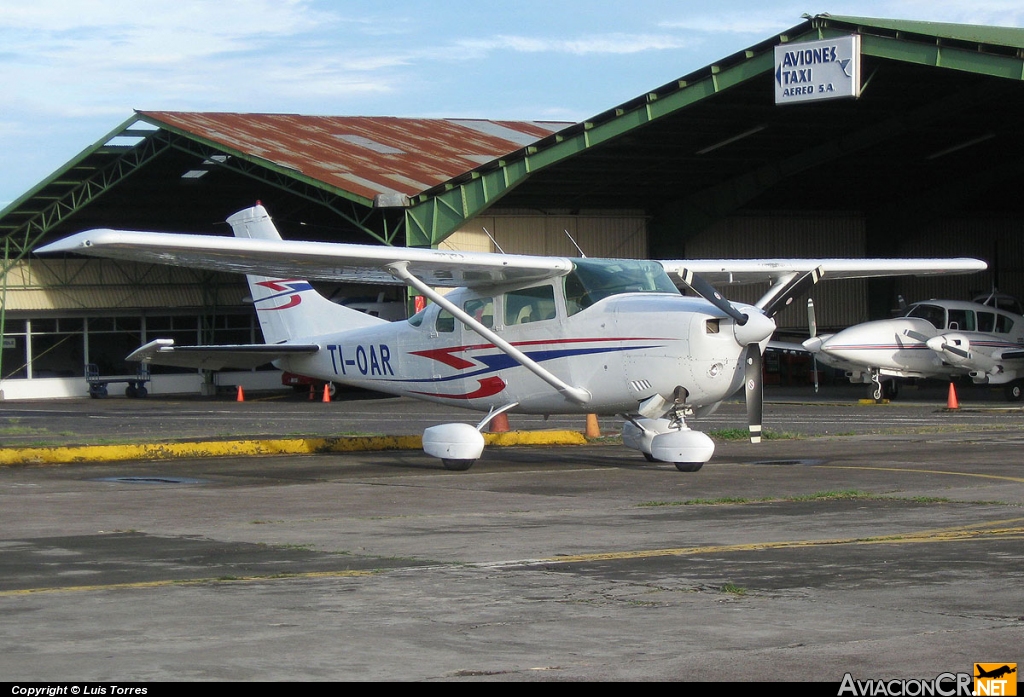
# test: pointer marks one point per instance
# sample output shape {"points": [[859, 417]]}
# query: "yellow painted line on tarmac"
{"points": [[1006, 529], [251, 447], [1002, 528], [188, 582], [920, 471]]}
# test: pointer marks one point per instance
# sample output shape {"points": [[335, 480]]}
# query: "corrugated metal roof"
{"points": [[365, 156]]}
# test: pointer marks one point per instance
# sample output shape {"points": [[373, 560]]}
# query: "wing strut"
{"points": [[574, 394]]}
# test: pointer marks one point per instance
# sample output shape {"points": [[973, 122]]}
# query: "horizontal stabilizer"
{"points": [[240, 356]]}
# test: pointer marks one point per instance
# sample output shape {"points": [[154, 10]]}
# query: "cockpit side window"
{"points": [[445, 323], [417, 319], [529, 305], [481, 309], [962, 320], [986, 322], [1004, 325]]}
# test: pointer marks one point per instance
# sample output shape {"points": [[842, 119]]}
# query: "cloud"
{"points": [[92, 56], [758, 23], [226, 20], [585, 45]]}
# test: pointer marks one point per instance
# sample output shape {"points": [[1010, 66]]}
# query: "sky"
{"points": [[71, 71]]}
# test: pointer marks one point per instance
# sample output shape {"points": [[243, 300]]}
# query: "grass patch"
{"points": [[744, 434], [833, 495], [732, 589], [22, 431], [736, 500], [725, 500]]}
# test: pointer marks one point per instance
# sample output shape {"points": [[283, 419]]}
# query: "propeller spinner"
{"points": [[750, 330]]}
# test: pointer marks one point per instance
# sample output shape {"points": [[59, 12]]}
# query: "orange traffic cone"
{"points": [[951, 402], [499, 424], [593, 430], [327, 393], [240, 397]]}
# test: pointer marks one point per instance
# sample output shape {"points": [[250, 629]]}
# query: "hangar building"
{"points": [[924, 162]]}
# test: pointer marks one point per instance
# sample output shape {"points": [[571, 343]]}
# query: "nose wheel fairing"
{"points": [[668, 440]]}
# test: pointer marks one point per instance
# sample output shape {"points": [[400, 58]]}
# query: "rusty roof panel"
{"points": [[363, 155]]}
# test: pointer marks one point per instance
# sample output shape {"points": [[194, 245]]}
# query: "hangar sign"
{"points": [[817, 70]]}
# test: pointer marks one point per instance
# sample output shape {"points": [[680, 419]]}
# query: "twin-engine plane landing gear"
{"points": [[882, 388]]}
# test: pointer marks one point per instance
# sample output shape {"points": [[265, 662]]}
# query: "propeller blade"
{"points": [[707, 291], [955, 349], [753, 388], [749, 329], [812, 331], [791, 291], [916, 336]]}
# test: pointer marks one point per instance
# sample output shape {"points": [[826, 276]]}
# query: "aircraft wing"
{"points": [[359, 263], [787, 346], [241, 356], [355, 263], [741, 271]]}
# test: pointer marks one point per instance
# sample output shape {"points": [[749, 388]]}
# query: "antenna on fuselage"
{"points": [[582, 254]]}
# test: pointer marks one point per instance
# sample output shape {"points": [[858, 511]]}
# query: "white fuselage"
{"points": [[622, 350]]}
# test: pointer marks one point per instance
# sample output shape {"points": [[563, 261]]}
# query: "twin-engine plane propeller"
{"points": [[528, 334]]}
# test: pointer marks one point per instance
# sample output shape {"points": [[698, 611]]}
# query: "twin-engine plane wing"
{"points": [[522, 333]]}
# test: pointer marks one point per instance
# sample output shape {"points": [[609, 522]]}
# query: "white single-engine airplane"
{"points": [[537, 335], [930, 339]]}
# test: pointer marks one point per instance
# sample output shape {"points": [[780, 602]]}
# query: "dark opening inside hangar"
{"points": [[924, 162]]}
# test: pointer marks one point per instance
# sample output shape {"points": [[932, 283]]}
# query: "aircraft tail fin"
{"points": [[289, 308]]}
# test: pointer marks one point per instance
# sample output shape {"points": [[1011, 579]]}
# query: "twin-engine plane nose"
{"points": [[853, 341], [880, 341]]}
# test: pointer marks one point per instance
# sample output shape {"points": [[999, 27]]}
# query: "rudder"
{"points": [[289, 308]]}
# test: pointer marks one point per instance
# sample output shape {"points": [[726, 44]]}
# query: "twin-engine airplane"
{"points": [[931, 339], [537, 335]]}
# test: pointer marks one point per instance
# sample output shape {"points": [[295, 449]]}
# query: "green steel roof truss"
{"points": [[435, 214]]}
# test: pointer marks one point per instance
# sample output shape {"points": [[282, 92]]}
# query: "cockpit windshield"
{"points": [[933, 314], [595, 279]]}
